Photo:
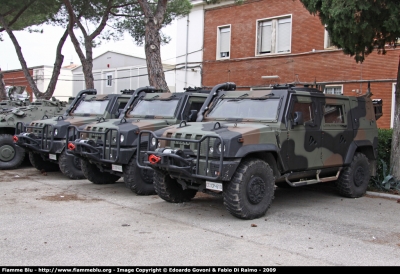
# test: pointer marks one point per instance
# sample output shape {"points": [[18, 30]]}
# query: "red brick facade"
{"points": [[17, 78], [307, 62]]}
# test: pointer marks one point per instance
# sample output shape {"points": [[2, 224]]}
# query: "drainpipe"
{"points": [[187, 48]]}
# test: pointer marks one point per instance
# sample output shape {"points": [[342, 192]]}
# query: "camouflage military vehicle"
{"points": [[15, 111], [7, 105], [250, 140], [45, 139], [108, 148]]}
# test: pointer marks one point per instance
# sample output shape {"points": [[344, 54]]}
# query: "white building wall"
{"points": [[128, 72], [63, 90], [189, 48]]}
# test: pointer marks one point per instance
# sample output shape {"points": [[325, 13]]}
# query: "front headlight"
{"points": [[220, 148], [122, 138], [55, 132], [211, 150], [153, 141]]}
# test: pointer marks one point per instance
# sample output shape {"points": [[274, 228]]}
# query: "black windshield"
{"points": [[164, 108], [246, 109], [91, 107]]}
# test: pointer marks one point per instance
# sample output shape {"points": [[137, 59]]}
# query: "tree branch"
{"points": [[103, 22], [12, 21]]}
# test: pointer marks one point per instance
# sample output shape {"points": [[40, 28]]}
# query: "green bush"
{"points": [[383, 179], [384, 147]]}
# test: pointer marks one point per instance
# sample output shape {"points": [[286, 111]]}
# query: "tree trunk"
{"points": [[57, 67], [395, 151], [152, 45], [86, 60], [153, 56], [3, 95], [25, 69]]}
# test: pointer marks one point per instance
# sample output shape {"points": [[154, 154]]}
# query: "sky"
{"points": [[39, 48]]}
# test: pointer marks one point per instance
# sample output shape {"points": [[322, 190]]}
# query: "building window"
{"points": [[109, 80], [333, 90], [274, 35], [224, 42]]}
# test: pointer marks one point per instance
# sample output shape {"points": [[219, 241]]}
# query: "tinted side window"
{"points": [[305, 108], [333, 114]]}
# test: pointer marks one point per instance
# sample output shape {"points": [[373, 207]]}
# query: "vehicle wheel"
{"points": [[39, 163], [11, 155], [353, 180], [70, 166], [93, 174], [170, 190], [138, 180], [250, 192]]}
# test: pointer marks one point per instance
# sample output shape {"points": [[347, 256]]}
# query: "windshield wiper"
{"points": [[241, 96], [152, 98], [266, 96], [169, 98]]}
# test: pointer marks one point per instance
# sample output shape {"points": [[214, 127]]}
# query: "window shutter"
{"points": [[265, 39], [284, 33], [224, 41]]}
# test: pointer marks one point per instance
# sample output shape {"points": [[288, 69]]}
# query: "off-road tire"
{"points": [[138, 180], [70, 166], [353, 180], [40, 164], [93, 174], [11, 155], [170, 190], [250, 192]]}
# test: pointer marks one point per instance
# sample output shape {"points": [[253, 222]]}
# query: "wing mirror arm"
{"points": [[298, 119]]}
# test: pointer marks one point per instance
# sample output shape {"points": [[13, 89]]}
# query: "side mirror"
{"points": [[193, 116], [298, 118]]}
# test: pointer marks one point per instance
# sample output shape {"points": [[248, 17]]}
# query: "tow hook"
{"points": [[71, 146], [153, 159]]}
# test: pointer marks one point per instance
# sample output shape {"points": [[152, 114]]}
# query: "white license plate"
{"points": [[214, 186], [52, 156], [116, 168]]}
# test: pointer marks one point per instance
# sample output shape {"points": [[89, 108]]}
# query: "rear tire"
{"points": [[139, 180], [353, 180], [70, 166], [39, 163], [11, 155], [170, 190], [93, 174], [250, 192]]}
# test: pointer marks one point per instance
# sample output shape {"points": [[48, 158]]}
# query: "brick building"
{"points": [[41, 76], [263, 42]]}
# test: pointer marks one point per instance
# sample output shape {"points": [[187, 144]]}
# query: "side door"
{"points": [[302, 141], [337, 131]]}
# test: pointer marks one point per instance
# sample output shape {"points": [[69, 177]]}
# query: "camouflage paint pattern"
{"points": [[130, 126], [313, 144], [62, 122], [36, 110]]}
